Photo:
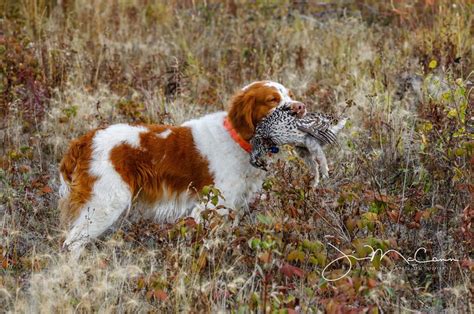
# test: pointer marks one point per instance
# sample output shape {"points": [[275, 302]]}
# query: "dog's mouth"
{"points": [[299, 112]]}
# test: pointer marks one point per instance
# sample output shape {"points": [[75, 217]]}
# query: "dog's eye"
{"points": [[272, 98]]}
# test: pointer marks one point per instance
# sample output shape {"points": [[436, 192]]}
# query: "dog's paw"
{"points": [[325, 172]]}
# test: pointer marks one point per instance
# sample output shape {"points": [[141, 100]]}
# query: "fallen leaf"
{"points": [[24, 169], [418, 216], [371, 283], [47, 189], [265, 257], [290, 271], [466, 263], [190, 222], [393, 214], [160, 295]]}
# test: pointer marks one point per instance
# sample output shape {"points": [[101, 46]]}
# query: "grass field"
{"points": [[400, 178]]}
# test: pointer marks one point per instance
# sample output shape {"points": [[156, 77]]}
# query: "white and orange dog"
{"points": [[164, 167]]}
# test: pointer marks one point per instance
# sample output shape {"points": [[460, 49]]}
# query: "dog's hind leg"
{"points": [[108, 201]]}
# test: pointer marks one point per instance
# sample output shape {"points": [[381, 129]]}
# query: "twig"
{"points": [[404, 184]]}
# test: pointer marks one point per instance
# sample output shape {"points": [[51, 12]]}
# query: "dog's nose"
{"points": [[299, 108]]}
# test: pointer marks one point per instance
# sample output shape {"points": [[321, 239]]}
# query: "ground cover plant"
{"points": [[400, 178]]}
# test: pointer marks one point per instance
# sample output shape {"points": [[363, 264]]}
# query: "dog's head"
{"points": [[255, 101]]}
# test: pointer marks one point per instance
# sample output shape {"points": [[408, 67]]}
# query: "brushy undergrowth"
{"points": [[401, 176]]}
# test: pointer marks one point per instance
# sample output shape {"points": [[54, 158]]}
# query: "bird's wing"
{"points": [[318, 125]]}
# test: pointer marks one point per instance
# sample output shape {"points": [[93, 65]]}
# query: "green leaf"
{"points": [[322, 258], [462, 111], [254, 243], [447, 96], [427, 126], [313, 260], [322, 283], [183, 231], [371, 226], [458, 174], [296, 255], [376, 207], [390, 291], [301, 194], [313, 246], [267, 185], [433, 64], [25, 149], [376, 261], [459, 152], [459, 132], [206, 189], [370, 217], [264, 219], [452, 113]]}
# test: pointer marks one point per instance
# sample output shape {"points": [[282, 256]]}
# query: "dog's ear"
{"points": [[241, 114]]}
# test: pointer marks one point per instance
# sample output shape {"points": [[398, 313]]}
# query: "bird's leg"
{"points": [[315, 149], [310, 162]]}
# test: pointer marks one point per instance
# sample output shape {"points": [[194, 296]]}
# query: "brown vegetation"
{"points": [[401, 177]]}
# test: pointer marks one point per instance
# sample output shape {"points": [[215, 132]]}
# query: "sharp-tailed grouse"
{"points": [[309, 134]]}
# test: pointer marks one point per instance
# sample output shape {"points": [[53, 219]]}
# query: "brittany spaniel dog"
{"points": [[163, 168]]}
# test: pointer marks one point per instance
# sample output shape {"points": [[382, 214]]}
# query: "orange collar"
{"points": [[236, 137]]}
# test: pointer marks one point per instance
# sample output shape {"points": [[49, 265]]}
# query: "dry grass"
{"points": [[401, 177]]}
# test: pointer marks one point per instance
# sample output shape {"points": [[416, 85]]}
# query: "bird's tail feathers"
{"points": [[339, 126]]}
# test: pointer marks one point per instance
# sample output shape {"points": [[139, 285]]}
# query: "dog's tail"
{"points": [[68, 167], [77, 156]]}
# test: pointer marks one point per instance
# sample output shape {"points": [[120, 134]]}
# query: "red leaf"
{"points": [[265, 257], [418, 216], [46, 189], [466, 263], [191, 223], [413, 225], [24, 169], [393, 214], [371, 283], [290, 271], [160, 295]]}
